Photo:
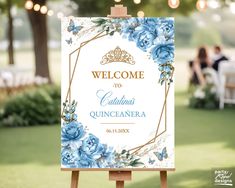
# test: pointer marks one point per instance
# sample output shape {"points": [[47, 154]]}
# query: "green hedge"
{"points": [[39, 106]]}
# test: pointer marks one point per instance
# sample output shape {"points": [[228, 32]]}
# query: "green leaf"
{"points": [[136, 163], [99, 21]]}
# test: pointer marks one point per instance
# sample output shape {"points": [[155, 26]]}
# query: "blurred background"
{"points": [[30, 90]]}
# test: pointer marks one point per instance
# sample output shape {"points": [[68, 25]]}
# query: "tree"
{"points": [[10, 33], [6, 6], [38, 24]]}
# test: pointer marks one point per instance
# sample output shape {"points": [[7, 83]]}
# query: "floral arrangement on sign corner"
{"points": [[81, 149], [151, 35]]}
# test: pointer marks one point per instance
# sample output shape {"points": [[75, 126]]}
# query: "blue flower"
{"points": [[151, 23], [163, 53], [84, 160], [75, 117], [167, 28], [94, 154], [91, 146], [145, 34], [106, 157], [144, 37], [72, 131], [100, 158], [67, 116], [164, 68], [141, 30], [68, 158], [128, 27]]}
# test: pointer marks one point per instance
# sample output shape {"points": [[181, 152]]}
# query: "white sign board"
{"points": [[117, 93]]}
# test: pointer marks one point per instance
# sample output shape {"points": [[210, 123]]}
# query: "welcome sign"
{"points": [[117, 93]]}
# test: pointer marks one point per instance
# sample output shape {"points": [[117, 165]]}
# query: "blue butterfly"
{"points": [[161, 155], [151, 161], [69, 41], [73, 28]]}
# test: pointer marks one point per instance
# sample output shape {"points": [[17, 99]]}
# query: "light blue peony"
{"points": [[84, 160], [68, 158], [163, 53], [151, 23], [91, 146], [72, 131], [166, 28], [94, 154], [128, 27], [145, 34], [144, 37], [106, 157]]}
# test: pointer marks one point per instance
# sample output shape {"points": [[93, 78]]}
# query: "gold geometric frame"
{"points": [[163, 110]]}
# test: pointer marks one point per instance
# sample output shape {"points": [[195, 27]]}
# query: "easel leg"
{"points": [[163, 178], [119, 177], [119, 184], [74, 179]]}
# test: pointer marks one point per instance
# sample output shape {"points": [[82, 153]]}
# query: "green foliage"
{"points": [[127, 159], [34, 107], [161, 8], [68, 114], [3, 4], [206, 36]]}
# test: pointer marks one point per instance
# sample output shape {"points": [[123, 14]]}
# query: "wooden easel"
{"points": [[119, 176], [118, 11]]}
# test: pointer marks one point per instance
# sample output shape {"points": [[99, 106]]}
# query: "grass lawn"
{"points": [[30, 157]]}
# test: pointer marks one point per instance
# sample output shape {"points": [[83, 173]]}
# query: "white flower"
{"points": [[199, 93], [213, 90], [209, 79]]}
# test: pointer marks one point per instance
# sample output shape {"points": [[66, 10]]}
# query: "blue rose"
{"points": [[84, 160], [145, 34], [151, 23], [95, 156], [141, 30], [91, 152], [128, 27], [68, 158], [167, 28], [72, 131], [144, 37], [163, 53], [91, 146], [106, 157]]}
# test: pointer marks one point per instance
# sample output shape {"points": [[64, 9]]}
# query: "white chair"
{"points": [[227, 83]]}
